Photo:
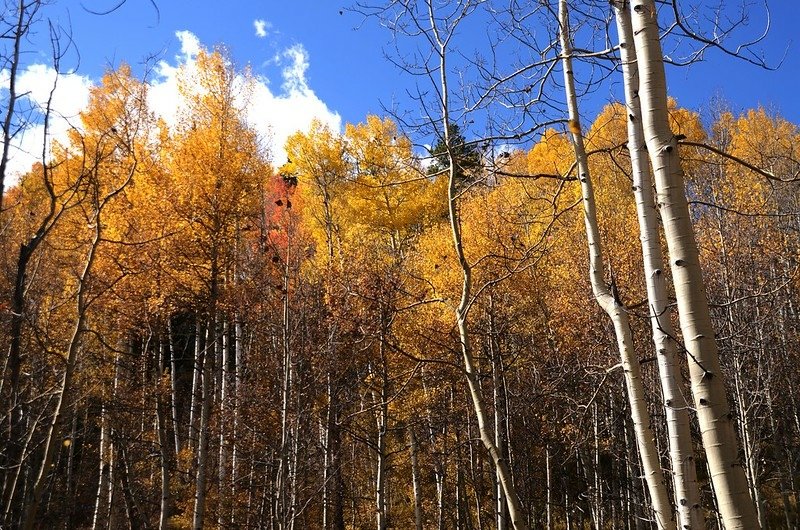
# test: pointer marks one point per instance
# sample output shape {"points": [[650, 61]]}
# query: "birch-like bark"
{"points": [[609, 300], [197, 378], [206, 397], [381, 401], [105, 487], [380, 450], [164, 443], [105, 467], [173, 386], [684, 472], [708, 386], [501, 512], [238, 387], [549, 498], [282, 509], [71, 362], [132, 510], [226, 486], [415, 480], [461, 313]]}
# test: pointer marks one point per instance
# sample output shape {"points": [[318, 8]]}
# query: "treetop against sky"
{"points": [[325, 60]]}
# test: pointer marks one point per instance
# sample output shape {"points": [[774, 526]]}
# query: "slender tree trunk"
{"points": [[461, 314], [282, 511], [131, 505], [164, 442], [381, 404], [238, 388], [71, 363], [597, 511], [749, 443], [708, 386], [549, 497], [684, 472], [173, 380], [415, 480], [206, 397], [101, 499], [105, 487], [197, 379], [226, 487], [70, 478], [609, 300], [501, 509], [440, 43], [294, 467], [335, 481]]}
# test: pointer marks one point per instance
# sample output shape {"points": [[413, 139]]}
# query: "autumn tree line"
{"points": [[196, 335]]}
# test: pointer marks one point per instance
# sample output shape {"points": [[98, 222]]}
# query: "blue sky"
{"points": [[342, 60], [316, 58]]}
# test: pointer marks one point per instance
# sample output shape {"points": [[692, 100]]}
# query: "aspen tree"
{"points": [[707, 381], [684, 473], [440, 40], [608, 298]]}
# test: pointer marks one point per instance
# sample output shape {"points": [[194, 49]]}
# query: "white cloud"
{"points": [[275, 115], [190, 44], [294, 75], [278, 116], [70, 97], [163, 96], [261, 26]]}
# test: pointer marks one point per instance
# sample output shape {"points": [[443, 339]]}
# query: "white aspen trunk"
{"points": [[70, 472], [417, 487], [440, 39], [439, 469], [163, 441], [708, 387], [199, 512], [173, 382], [610, 302], [105, 464], [105, 486], [461, 313], [334, 507], [324, 438], [112, 497], [71, 362], [381, 417], [501, 510], [597, 510], [226, 487], [293, 474], [380, 479], [684, 472], [549, 497], [463, 519], [238, 383], [748, 442], [380, 403], [132, 510], [197, 377], [476, 477], [281, 510], [501, 467]]}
